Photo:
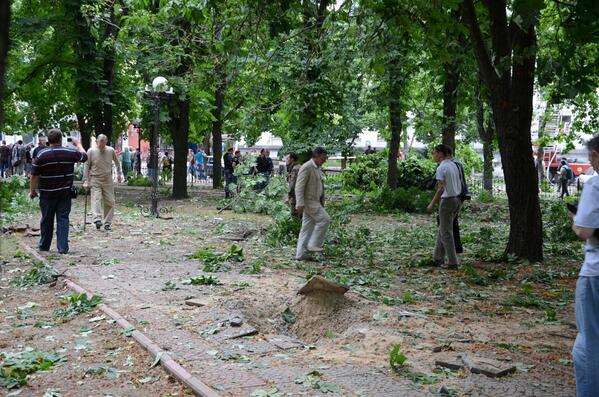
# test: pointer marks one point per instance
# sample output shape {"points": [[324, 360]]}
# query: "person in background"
{"points": [[293, 168], [42, 144], [97, 174], [264, 168], [449, 189], [369, 150], [228, 160], [4, 160], [191, 164], [309, 195], [28, 159], [565, 177], [54, 169], [167, 167], [585, 352], [136, 162], [18, 158], [126, 162], [201, 163]]}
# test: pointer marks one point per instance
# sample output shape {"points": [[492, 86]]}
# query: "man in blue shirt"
{"points": [[586, 225], [200, 163]]}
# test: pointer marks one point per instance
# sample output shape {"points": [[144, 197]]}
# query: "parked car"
{"points": [[588, 174]]}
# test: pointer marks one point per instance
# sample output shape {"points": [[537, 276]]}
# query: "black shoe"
{"points": [[63, 252], [107, 227], [98, 225]]}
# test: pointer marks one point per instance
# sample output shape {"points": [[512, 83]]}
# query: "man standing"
{"points": [[228, 160], [97, 173], [42, 144], [18, 158], [309, 195], [448, 192], [292, 170], [4, 160], [54, 170], [565, 175], [586, 226], [201, 163]]}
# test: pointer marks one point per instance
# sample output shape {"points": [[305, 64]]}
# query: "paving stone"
{"points": [[196, 302], [477, 365], [285, 342]]}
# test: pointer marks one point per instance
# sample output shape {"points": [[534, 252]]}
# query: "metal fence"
{"points": [[547, 190]]}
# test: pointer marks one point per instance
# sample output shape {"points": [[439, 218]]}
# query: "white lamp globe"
{"points": [[159, 84]]}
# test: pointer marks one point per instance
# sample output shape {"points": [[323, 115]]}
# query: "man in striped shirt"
{"points": [[53, 168]]}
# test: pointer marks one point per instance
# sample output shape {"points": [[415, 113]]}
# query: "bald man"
{"points": [[98, 174]]}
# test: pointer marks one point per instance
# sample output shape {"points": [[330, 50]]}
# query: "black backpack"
{"points": [[465, 194]]}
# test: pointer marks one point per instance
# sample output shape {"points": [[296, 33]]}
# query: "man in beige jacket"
{"points": [[309, 195], [97, 173]]}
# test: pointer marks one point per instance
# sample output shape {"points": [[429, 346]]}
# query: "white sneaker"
{"points": [[315, 249]]}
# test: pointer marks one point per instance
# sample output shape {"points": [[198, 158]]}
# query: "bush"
{"points": [[13, 195], [410, 199], [367, 173], [283, 231], [138, 180], [414, 172], [558, 226]]}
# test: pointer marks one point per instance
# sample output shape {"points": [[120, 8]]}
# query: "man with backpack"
{"points": [[450, 193], [566, 175]]}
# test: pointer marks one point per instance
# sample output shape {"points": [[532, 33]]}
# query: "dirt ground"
{"points": [[139, 269], [98, 359]]}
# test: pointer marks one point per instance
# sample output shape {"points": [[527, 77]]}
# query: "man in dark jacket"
{"points": [[53, 168]]}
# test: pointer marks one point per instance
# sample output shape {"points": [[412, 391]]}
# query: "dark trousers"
{"points": [[59, 209], [564, 183], [4, 168]]}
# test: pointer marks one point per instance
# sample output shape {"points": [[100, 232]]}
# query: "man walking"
{"points": [[4, 160], [449, 189], [228, 160], [309, 195], [42, 144], [201, 163], [18, 157], [586, 226], [293, 168], [54, 170], [565, 176], [97, 173]]}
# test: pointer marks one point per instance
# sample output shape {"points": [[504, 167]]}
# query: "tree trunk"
{"points": [[207, 147], [4, 42], [217, 133], [488, 160], [180, 134], [395, 127], [108, 69], [486, 136], [540, 150], [450, 99], [85, 130], [509, 77]]}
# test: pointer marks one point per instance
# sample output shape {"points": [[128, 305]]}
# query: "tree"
{"points": [[4, 41], [508, 75]]}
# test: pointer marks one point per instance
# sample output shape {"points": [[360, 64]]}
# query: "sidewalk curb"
{"points": [[168, 363]]}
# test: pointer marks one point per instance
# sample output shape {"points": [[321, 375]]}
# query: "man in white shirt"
{"points": [[586, 226], [449, 188]]}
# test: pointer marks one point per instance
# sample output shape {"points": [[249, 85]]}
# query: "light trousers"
{"points": [[102, 200], [314, 229], [445, 246], [585, 353]]}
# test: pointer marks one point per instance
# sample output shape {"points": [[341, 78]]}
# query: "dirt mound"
{"points": [[322, 312]]}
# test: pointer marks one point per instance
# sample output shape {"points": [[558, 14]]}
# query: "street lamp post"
{"points": [[156, 92]]}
